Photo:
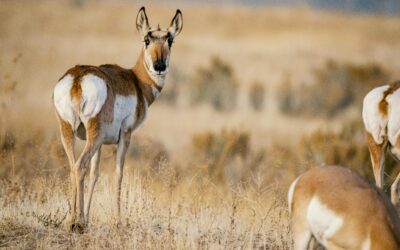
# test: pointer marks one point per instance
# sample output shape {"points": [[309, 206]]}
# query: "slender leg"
{"points": [[123, 144], [394, 191], [377, 153], [301, 234], [394, 188], [94, 175], [93, 143], [68, 142]]}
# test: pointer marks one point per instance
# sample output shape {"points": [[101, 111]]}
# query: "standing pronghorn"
{"points": [[341, 211], [381, 116], [104, 104]]}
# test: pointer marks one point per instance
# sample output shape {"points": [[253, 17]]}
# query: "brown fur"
{"points": [[383, 105], [377, 153], [67, 138], [366, 210], [119, 81]]}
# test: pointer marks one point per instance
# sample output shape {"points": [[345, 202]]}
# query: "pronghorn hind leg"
{"points": [[68, 142], [395, 150], [377, 153], [93, 144], [394, 191], [123, 144], [301, 236], [94, 175]]}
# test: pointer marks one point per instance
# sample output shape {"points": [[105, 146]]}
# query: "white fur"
{"points": [[124, 117], [94, 94], [155, 91], [62, 99], [374, 121], [367, 244], [323, 222], [393, 128], [291, 192]]}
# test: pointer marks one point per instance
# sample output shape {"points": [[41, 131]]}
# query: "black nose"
{"points": [[159, 65]]}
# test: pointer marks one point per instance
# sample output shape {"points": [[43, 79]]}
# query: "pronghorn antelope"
{"points": [[341, 211], [104, 104], [381, 118]]}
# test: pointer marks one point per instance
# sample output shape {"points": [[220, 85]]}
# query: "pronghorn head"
{"points": [[157, 42]]}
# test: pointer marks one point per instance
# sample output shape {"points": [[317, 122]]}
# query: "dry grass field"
{"points": [[254, 97]]}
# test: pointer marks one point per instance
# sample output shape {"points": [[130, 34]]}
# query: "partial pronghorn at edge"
{"points": [[381, 117], [341, 211], [105, 104]]}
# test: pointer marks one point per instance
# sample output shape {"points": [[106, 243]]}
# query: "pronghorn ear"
{"points": [[176, 23], [142, 23]]}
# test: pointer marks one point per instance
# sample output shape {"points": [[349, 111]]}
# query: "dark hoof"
{"points": [[77, 228]]}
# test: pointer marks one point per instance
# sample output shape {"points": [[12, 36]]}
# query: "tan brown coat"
{"points": [[369, 219]]}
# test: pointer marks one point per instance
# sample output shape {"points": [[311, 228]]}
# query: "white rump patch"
{"points": [[62, 99], [323, 222], [290, 193], [94, 94], [366, 244], [374, 121]]}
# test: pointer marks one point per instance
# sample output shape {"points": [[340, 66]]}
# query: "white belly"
{"points": [[124, 117]]}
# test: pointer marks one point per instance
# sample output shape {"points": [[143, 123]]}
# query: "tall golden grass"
{"points": [[197, 176]]}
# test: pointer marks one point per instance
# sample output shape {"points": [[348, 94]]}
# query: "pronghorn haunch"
{"points": [[341, 211], [381, 116], [104, 104]]}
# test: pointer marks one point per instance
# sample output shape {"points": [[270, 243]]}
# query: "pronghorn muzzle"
{"points": [[159, 65]]}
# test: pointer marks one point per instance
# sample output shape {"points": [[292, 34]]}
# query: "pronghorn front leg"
{"points": [[94, 175], [377, 153], [123, 144]]}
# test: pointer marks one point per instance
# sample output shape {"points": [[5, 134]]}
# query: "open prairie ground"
{"points": [[255, 95]]}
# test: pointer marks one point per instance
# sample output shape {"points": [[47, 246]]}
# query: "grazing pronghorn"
{"points": [[341, 211], [381, 116], [104, 104]]}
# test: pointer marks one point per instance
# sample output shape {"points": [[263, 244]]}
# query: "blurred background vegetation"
{"points": [[257, 93]]}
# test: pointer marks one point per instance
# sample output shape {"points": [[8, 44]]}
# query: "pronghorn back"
{"points": [[341, 210]]}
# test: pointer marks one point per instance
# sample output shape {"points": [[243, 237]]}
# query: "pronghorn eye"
{"points": [[146, 41], [170, 40]]}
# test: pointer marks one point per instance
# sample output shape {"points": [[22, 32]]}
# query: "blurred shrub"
{"points": [[170, 93], [215, 85], [35, 155], [219, 149], [256, 95], [7, 143], [336, 87], [348, 148], [149, 151]]}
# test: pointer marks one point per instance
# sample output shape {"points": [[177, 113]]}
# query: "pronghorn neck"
{"points": [[146, 78]]}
